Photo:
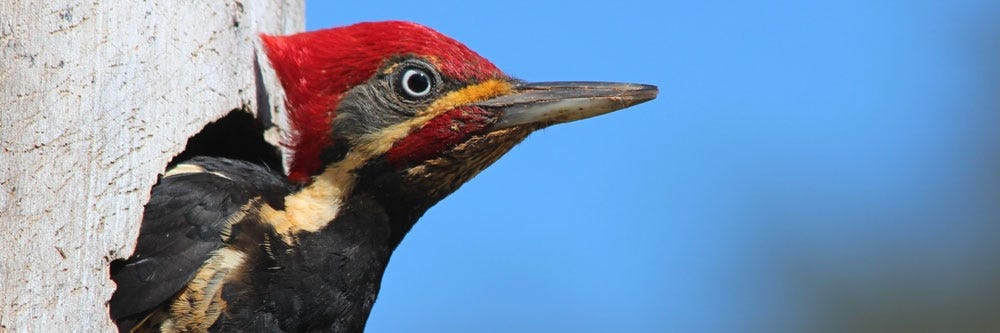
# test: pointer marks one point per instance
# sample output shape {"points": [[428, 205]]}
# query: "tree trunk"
{"points": [[95, 99]]}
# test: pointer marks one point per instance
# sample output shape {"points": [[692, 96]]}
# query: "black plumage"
{"points": [[325, 280], [182, 224]]}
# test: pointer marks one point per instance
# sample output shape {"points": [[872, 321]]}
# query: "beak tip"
{"points": [[643, 93]]}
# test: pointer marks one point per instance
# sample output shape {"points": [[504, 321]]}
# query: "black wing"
{"points": [[182, 225]]}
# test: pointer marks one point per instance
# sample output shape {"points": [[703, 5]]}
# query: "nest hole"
{"points": [[238, 135]]}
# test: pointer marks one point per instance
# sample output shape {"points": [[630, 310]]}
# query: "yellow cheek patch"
{"points": [[471, 94], [317, 204], [378, 143]]}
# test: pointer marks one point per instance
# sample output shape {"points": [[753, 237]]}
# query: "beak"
{"points": [[548, 103]]}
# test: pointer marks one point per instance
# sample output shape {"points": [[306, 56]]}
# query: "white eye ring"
{"points": [[416, 83]]}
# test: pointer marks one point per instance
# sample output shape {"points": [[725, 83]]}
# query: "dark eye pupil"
{"points": [[418, 82]]}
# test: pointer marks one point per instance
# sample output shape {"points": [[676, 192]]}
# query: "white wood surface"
{"points": [[95, 98]]}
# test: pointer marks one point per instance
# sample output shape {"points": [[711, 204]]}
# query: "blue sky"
{"points": [[821, 166]]}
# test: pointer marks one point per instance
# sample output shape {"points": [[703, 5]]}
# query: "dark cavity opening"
{"points": [[237, 136]]}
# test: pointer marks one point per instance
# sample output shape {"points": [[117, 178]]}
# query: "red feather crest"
{"points": [[317, 67]]}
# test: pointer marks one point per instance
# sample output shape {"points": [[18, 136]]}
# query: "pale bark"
{"points": [[95, 99]]}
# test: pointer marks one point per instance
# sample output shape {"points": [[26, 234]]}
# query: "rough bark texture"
{"points": [[95, 99]]}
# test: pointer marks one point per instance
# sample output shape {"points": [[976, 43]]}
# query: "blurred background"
{"points": [[821, 166]]}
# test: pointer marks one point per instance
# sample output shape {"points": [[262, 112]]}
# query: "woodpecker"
{"points": [[386, 119]]}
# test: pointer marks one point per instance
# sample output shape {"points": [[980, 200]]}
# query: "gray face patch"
{"points": [[382, 100]]}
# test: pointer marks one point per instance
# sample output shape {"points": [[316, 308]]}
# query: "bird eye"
{"points": [[415, 83]]}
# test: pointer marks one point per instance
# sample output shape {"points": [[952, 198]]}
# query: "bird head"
{"points": [[398, 98]]}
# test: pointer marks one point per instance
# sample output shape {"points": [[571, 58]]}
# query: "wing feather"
{"points": [[182, 225]]}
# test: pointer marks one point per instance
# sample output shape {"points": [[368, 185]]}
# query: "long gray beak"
{"points": [[547, 103]]}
